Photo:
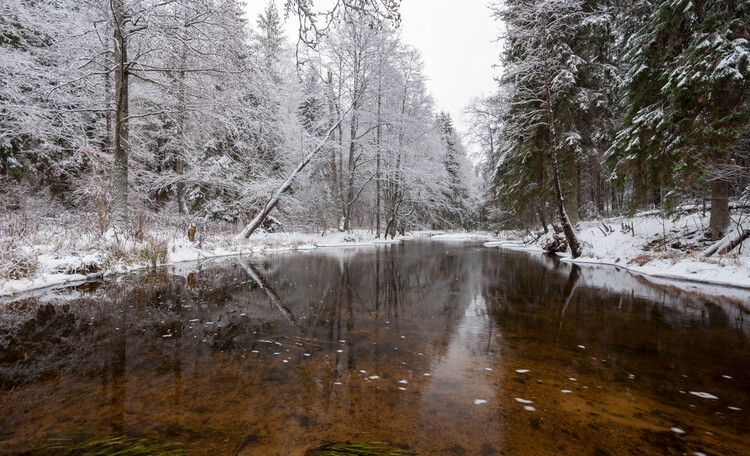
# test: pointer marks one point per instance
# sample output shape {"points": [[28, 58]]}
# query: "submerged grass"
{"points": [[358, 449], [114, 446]]}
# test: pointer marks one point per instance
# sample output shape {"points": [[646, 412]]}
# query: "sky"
{"points": [[456, 42]]}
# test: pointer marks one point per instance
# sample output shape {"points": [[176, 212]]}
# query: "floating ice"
{"points": [[572, 379], [704, 395], [403, 382], [427, 375], [374, 377], [339, 351], [582, 347], [402, 388], [631, 376], [166, 335], [255, 351], [728, 377], [286, 360], [529, 408], [524, 401], [277, 353], [420, 354], [698, 453], [677, 430], [736, 409], [488, 368], [337, 383], [522, 371], [403, 337], [307, 354], [362, 372], [342, 341], [194, 320], [479, 401], [566, 391]]}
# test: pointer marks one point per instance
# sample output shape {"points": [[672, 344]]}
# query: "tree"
{"points": [[541, 71]]}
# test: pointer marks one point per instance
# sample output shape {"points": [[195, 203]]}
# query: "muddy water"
{"points": [[442, 349]]}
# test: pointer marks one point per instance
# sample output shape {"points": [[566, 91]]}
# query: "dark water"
{"points": [[418, 345]]}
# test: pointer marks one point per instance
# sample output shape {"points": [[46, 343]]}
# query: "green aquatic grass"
{"points": [[358, 449], [115, 446]]}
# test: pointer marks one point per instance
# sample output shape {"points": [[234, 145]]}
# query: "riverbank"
{"points": [[58, 257], [651, 245], [49, 253]]}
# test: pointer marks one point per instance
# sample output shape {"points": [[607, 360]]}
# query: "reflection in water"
{"points": [[436, 348]]}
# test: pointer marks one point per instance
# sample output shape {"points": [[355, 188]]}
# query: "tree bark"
{"points": [[122, 134], [719, 220]]}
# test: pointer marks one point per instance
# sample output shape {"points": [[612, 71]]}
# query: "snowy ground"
{"points": [[50, 253], [654, 246]]}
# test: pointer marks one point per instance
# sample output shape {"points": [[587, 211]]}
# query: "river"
{"points": [[435, 348]]}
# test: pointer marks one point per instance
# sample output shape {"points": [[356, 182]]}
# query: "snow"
{"points": [[643, 252], [60, 266]]}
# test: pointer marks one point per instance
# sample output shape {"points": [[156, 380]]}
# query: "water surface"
{"points": [[439, 348]]}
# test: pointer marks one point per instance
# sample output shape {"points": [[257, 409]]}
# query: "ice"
{"points": [[728, 377], [339, 351], [479, 401], [524, 401], [427, 375], [529, 408], [402, 388], [404, 382], [488, 368], [704, 395], [522, 371], [582, 347], [566, 391], [374, 377], [736, 409], [677, 430], [572, 379]]}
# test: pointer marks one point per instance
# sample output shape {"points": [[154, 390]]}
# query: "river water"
{"points": [[436, 348]]}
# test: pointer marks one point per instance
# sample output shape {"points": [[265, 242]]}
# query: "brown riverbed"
{"points": [[439, 348]]}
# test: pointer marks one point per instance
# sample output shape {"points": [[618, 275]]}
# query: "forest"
{"points": [[616, 106], [121, 107], [123, 116]]}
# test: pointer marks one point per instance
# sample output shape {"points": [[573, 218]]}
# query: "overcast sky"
{"points": [[457, 43]]}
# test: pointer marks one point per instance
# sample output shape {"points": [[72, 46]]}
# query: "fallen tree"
{"points": [[732, 240], [258, 220]]}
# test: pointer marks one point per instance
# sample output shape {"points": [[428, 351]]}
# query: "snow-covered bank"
{"points": [[650, 245], [56, 264]]}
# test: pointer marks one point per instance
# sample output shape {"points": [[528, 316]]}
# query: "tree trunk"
{"points": [[332, 137], [570, 234], [719, 208], [258, 220], [122, 134], [378, 139]]}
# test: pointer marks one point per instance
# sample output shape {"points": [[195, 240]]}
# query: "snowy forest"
{"points": [[615, 106], [184, 107], [145, 119]]}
